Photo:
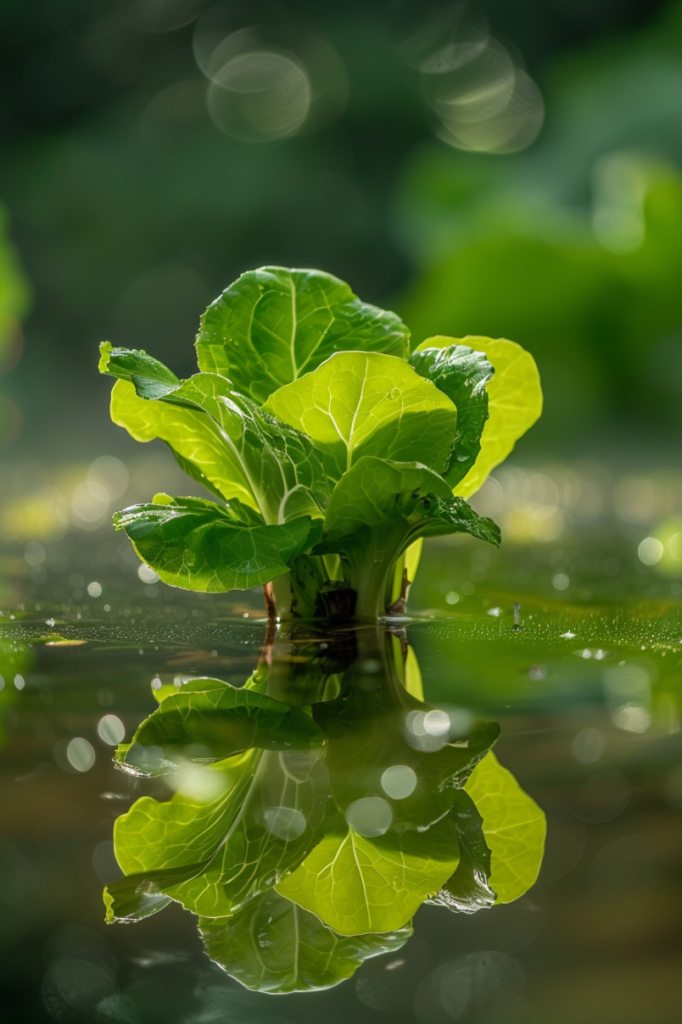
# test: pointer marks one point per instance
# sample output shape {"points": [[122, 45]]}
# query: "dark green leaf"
{"points": [[151, 378], [201, 546], [135, 897], [514, 402], [222, 721], [378, 509], [469, 888], [378, 726], [275, 946], [462, 375], [273, 325]]}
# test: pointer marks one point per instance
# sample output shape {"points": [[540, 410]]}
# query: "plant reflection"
{"points": [[316, 809]]}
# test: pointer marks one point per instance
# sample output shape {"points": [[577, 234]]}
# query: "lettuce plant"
{"points": [[332, 448], [315, 809]]}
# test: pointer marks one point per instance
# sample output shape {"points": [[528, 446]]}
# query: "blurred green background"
{"points": [[511, 169]]}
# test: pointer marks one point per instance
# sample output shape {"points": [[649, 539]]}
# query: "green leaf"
{"points": [[220, 437], [462, 375], [273, 325], [359, 404], [357, 885], [271, 813], [199, 545], [134, 897], [514, 402], [469, 888], [150, 377], [513, 825], [192, 437], [222, 721], [378, 509], [399, 496], [275, 946]]}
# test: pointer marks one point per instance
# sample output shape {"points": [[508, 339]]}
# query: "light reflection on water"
{"points": [[606, 909]]}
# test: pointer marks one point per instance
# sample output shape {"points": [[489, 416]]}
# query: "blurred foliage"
{"points": [[574, 248], [14, 293], [14, 298], [131, 208]]}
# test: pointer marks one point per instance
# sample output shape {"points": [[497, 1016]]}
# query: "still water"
{"points": [[583, 685]]}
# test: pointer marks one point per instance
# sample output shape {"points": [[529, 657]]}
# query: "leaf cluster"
{"points": [[283, 836], [331, 450]]}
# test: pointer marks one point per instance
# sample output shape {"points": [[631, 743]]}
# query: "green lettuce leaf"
{"points": [[514, 828], [514, 402], [272, 812], [462, 375], [275, 946], [357, 885], [221, 721], [273, 325], [236, 449], [134, 897], [360, 403], [199, 545]]}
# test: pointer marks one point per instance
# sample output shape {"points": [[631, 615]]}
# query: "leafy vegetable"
{"points": [[514, 828], [235, 846], [273, 325], [333, 452], [275, 946]]}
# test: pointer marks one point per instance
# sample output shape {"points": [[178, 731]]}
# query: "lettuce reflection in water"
{"points": [[307, 826], [333, 451]]}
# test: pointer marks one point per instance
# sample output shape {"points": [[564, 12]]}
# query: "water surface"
{"points": [[585, 685]]}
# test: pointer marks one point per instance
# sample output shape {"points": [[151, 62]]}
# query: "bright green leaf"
{"points": [[514, 402], [237, 844], [360, 403], [275, 946], [356, 885], [513, 825], [199, 545], [273, 325], [191, 436]]}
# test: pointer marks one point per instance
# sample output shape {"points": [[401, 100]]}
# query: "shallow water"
{"points": [[587, 694]]}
